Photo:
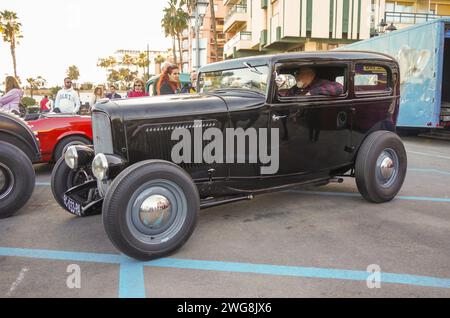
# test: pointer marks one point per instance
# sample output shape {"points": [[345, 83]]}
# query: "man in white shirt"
{"points": [[67, 99]]}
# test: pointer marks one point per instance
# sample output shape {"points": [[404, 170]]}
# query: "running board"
{"points": [[216, 202]]}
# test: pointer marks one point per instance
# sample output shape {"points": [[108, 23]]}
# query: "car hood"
{"points": [[160, 107]]}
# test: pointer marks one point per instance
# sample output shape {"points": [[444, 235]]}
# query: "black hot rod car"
{"points": [[18, 149], [255, 126]]}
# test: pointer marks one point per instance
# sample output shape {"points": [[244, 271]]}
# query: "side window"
{"points": [[370, 78], [304, 81]]}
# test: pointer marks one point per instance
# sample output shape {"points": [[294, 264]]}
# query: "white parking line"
{"points": [[17, 282], [440, 156]]}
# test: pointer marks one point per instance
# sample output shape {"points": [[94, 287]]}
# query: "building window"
{"points": [[275, 8]]}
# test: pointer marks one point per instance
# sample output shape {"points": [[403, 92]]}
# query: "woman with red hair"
{"points": [[169, 82]]}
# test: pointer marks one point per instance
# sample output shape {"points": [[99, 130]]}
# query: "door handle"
{"points": [[277, 118]]}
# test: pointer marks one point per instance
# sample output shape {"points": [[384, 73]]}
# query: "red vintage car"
{"points": [[56, 132]]}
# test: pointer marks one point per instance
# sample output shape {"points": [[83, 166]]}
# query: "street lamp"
{"points": [[196, 21], [383, 27], [391, 27]]}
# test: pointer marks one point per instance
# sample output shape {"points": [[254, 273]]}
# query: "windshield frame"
{"points": [[264, 92]]}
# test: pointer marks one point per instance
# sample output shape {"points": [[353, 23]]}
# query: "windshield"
{"points": [[249, 77]]}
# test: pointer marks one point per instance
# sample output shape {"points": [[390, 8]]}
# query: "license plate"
{"points": [[73, 206]]}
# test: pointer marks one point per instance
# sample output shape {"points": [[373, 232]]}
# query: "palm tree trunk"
{"points": [[13, 54], [174, 51], [214, 28], [181, 52]]}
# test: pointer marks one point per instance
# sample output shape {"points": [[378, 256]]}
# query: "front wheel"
{"points": [[380, 167], [64, 178], [151, 209]]}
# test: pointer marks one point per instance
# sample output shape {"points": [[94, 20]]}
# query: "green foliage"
{"points": [[28, 101], [73, 73], [54, 90], [86, 86]]}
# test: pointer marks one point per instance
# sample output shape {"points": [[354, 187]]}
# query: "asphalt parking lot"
{"points": [[315, 242]]}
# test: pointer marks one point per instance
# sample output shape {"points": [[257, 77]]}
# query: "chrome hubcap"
{"points": [[155, 211], [6, 181], [387, 168]]}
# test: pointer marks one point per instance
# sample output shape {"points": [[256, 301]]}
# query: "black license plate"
{"points": [[73, 206]]}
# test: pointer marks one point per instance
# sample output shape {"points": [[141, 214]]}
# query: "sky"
{"points": [[60, 33]]}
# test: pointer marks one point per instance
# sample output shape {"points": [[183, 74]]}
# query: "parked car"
{"points": [[19, 148], [57, 132], [185, 79], [150, 199]]}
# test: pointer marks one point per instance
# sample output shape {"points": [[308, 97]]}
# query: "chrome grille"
{"points": [[101, 129]]}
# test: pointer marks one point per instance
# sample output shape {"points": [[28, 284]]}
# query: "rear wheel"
{"points": [[380, 167], [151, 209], [17, 179]]}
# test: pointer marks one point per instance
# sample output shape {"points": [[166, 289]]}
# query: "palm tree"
{"points": [[11, 30], [181, 24], [35, 83], [214, 28], [143, 62], [73, 73], [168, 24], [107, 63], [127, 60]]}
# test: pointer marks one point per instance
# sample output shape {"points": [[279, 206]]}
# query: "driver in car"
{"points": [[309, 84]]}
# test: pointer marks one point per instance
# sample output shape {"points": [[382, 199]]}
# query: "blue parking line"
{"points": [[131, 282], [356, 195], [61, 255], [297, 271], [425, 170]]}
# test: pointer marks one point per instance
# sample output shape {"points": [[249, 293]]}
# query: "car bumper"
{"points": [[90, 207]]}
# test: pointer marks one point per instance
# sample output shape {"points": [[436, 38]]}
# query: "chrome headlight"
{"points": [[71, 157], [100, 166]]}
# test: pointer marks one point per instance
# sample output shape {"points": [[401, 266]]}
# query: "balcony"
{"points": [[230, 2], [241, 41], [236, 18], [403, 19]]}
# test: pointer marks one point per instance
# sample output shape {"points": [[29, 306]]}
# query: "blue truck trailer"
{"points": [[423, 53]]}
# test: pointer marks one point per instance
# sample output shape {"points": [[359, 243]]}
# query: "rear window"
{"points": [[370, 78]]}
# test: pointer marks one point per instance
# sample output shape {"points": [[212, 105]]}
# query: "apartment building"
{"points": [[265, 26], [406, 12], [208, 54]]}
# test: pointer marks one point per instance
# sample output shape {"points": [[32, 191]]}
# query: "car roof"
{"points": [[274, 58]]}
